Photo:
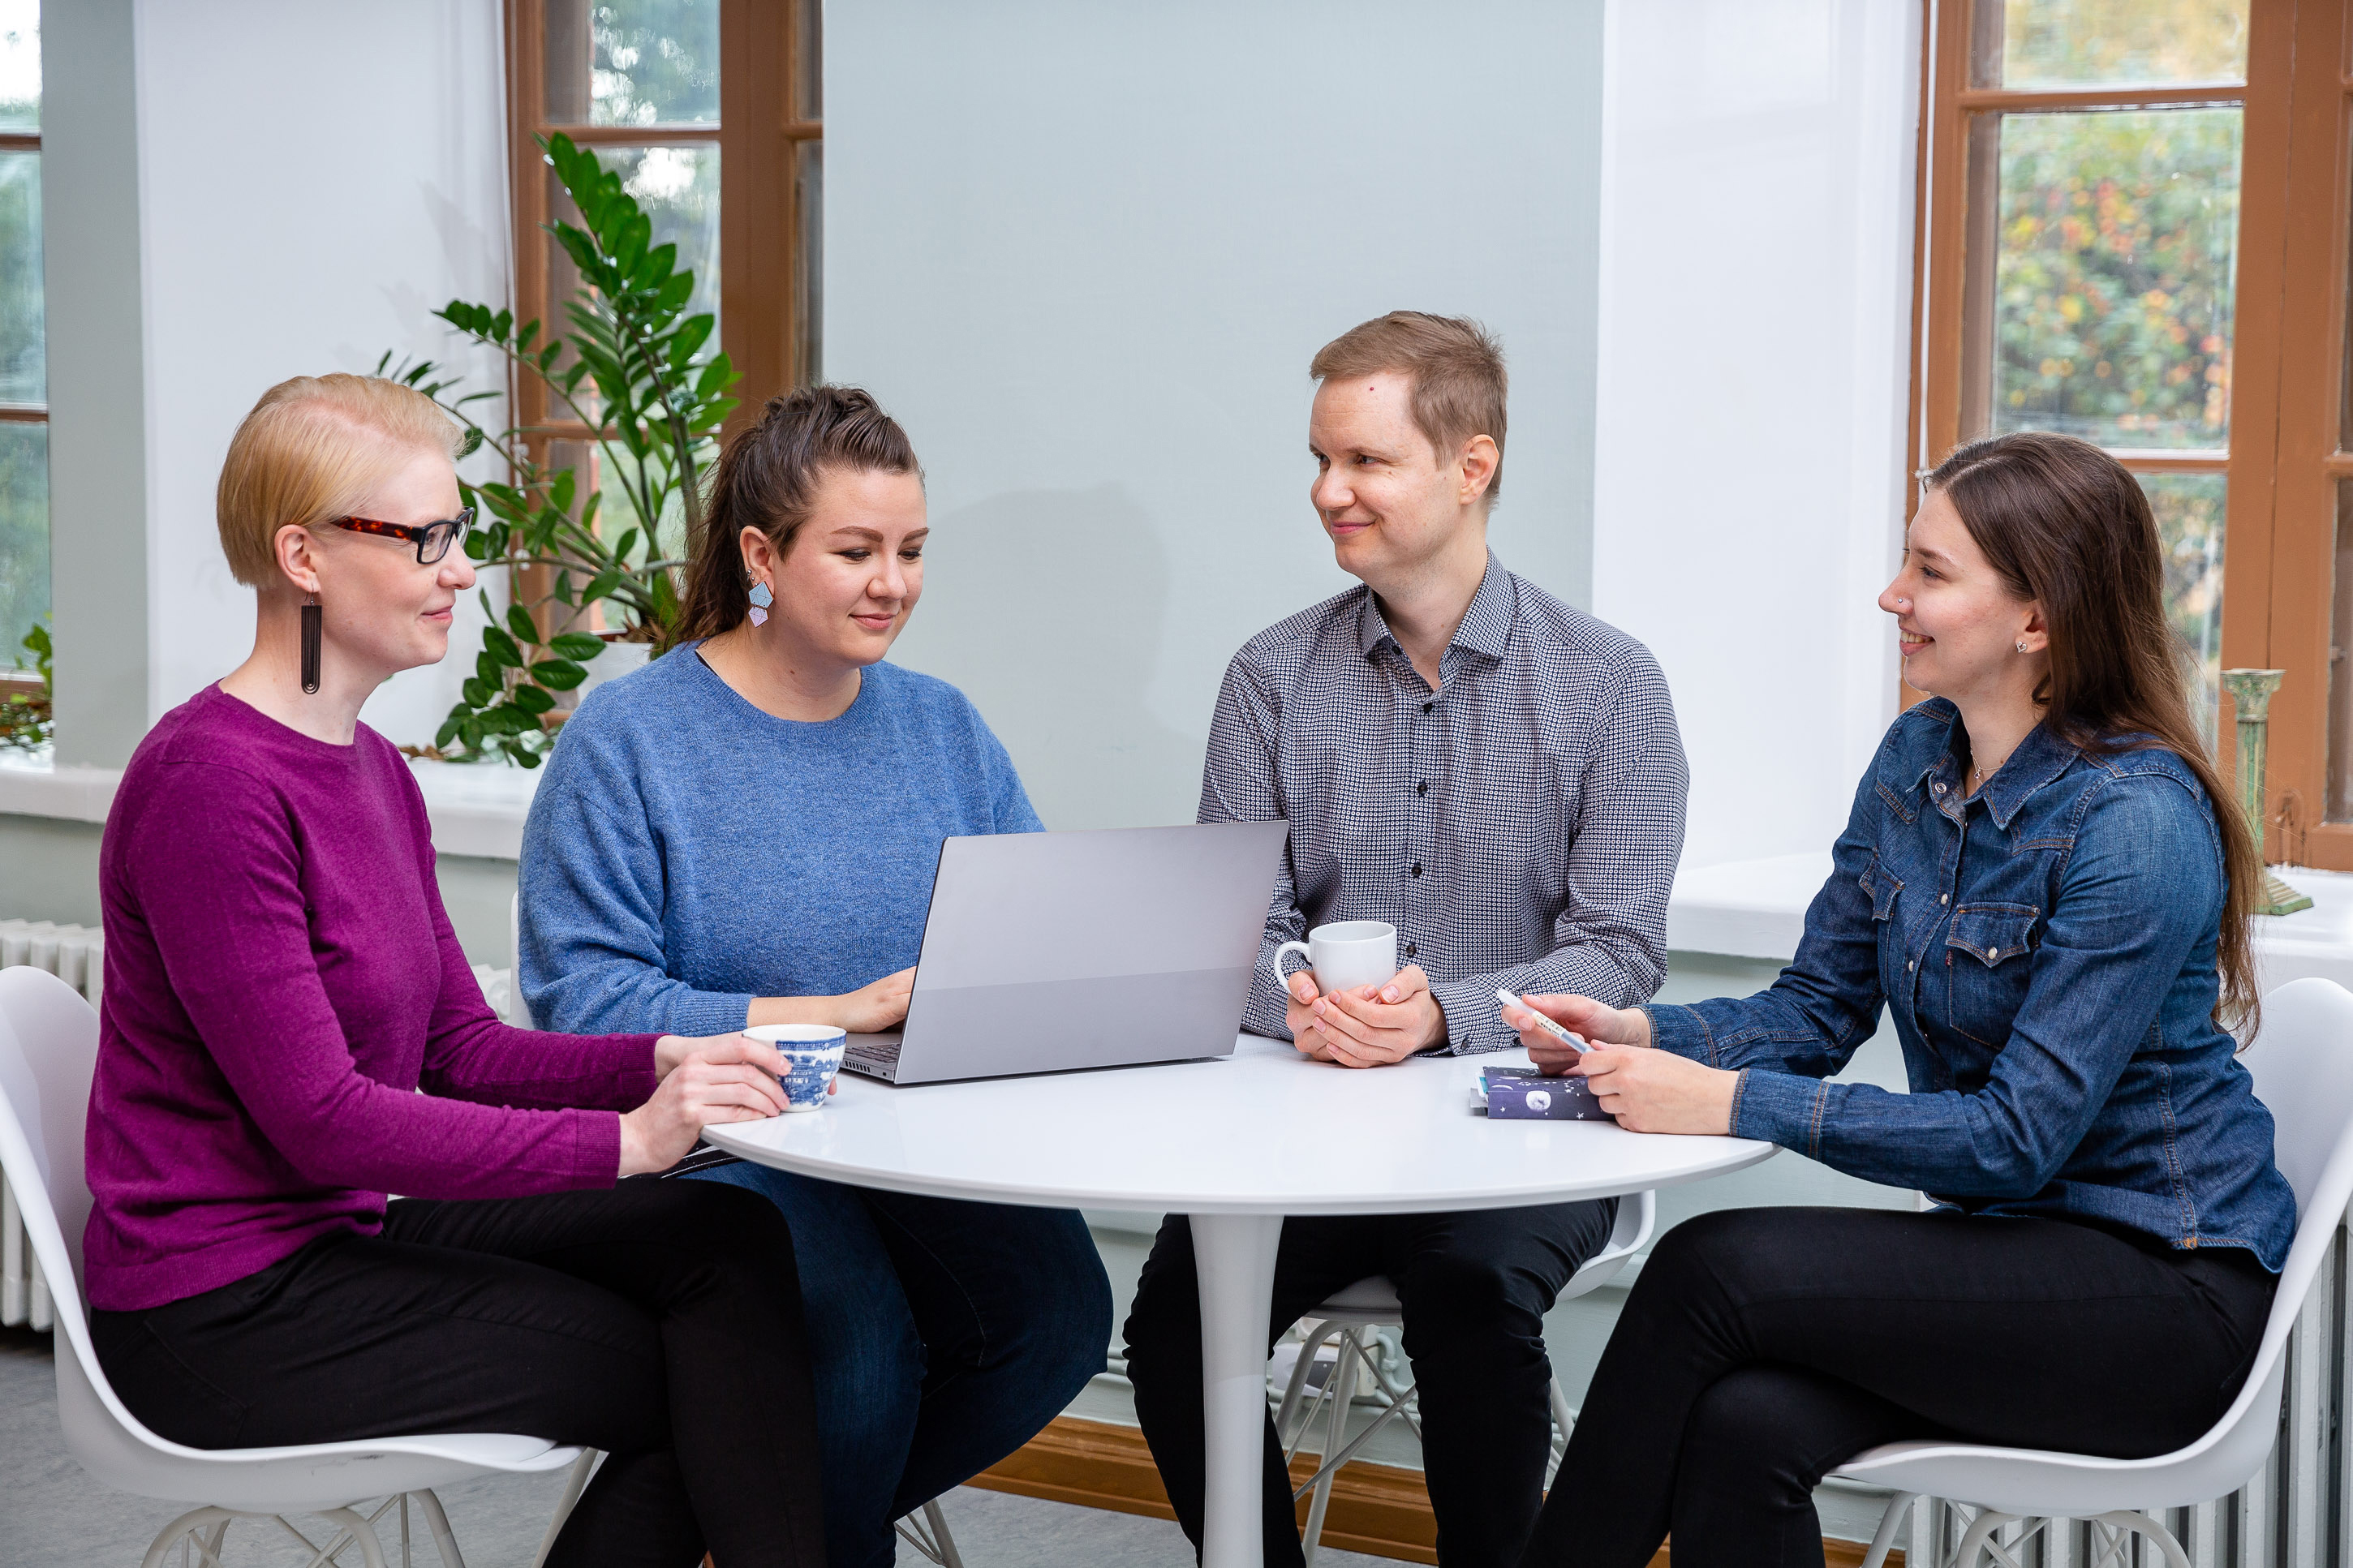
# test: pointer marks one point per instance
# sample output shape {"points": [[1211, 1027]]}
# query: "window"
{"points": [[24, 359], [2134, 232], [727, 163]]}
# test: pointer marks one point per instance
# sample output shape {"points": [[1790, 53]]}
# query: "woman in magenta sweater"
{"points": [[281, 980]]}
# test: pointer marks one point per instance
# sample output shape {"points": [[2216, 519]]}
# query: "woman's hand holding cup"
{"points": [[719, 1077]]}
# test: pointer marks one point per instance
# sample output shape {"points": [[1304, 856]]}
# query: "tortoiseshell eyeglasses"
{"points": [[432, 540]]}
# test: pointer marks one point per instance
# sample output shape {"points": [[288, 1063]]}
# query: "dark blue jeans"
{"points": [[943, 1336]]}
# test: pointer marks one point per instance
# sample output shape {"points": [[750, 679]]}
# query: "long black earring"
{"points": [[314, 626]]}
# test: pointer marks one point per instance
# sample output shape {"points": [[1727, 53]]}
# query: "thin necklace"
{"points": [[1978, 777]]}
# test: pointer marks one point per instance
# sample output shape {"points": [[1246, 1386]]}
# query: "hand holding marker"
{"points": [[1546, 1025]]}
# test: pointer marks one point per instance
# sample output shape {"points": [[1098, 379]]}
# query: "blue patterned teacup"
{"points": [[812, 1054]]}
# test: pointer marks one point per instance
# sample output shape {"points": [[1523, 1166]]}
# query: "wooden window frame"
{"points": [[2283, 457], [13, 681], [760, 130]]}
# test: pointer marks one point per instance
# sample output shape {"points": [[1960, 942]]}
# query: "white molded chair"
{"points": [[2302, 1066], [49, 1050], [1346, 1321]]}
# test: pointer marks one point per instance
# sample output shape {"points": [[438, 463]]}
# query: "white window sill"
{"points": [[474, 810], [1757, 908], [1742, 909]]}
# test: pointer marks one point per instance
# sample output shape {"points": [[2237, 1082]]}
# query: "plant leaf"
{"points": [[558, 674], [577, 645]]}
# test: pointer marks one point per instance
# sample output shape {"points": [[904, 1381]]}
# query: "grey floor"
{"points": [[53, 1515]]}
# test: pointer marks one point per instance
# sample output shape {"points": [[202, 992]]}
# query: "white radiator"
{"points": [[76, 954]]}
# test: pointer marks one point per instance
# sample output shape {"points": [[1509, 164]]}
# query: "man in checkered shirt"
{"points": [[1497, 774]]}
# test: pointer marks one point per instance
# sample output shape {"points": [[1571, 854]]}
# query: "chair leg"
{"points": [[1978, 1543], [1890, 1522], [1341, 1390], [2127, 1524], [574, 1485], [182, 1529], [362, 1532], [949, 1556], [1310, 1343], [443, 1540]]}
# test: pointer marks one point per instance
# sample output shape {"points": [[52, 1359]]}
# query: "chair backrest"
{"points": [[48, 1053], [2303, 1067]]}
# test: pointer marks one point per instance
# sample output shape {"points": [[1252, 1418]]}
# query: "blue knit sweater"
{"points": [[687, 852]]}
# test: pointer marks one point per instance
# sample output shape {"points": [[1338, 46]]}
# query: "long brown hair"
{"points": [[767, 479], [2066, 526]]}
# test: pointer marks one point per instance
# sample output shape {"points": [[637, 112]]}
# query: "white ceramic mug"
{"points": [[1345, 955]]}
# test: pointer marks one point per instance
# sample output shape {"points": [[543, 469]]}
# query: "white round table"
{"points": [[1238, 1143]]}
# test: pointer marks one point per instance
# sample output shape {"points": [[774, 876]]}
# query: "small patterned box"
{"points": [[1526, 1095]]}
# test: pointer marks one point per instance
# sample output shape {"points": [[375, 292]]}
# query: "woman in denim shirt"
{"points": [[2037, 883]]}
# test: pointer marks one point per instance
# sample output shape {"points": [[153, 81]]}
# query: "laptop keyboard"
{"points": [[875, 1059]]}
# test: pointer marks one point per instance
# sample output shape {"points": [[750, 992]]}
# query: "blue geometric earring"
{"points": [[761, 600]]}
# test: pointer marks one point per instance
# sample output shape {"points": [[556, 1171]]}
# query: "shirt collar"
{"points": [[2039, 758], [1486, 626]]}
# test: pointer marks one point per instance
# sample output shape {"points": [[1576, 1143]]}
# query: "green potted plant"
{"points": [[631, 367], [25, 723]]}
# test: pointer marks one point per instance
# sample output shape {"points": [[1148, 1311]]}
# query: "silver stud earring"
{"points": [[2021, 645]]}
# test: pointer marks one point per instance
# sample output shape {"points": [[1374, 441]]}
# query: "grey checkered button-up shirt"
{"points": [[1519, 825]]}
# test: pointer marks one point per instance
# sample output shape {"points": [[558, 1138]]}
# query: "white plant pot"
{"points": [[618, 659]]}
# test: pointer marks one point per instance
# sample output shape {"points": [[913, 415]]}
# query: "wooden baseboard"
{"points": [[1381, 1511]]}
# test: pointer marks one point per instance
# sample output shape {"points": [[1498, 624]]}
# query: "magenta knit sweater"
{"points": [[281, 979]]}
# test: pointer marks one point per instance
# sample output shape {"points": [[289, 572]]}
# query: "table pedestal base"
{"points": [[1234, 1258]]}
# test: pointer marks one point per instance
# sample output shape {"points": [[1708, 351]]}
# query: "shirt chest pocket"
{"points": [[1989, 963]]}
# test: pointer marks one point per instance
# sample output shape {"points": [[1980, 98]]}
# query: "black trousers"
{"points": [[1475, 1286], [1763, 1348], [659, 1321]]}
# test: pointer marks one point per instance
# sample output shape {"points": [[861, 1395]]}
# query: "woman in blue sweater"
{"points": [[745, 831]]}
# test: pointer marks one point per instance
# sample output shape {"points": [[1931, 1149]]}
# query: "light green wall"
{"points": [[49, 869], [98, 430]]}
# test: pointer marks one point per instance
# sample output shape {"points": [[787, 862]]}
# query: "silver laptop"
{"points": [[1036, 940]]}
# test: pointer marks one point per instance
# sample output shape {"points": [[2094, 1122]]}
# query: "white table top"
{"points": [[1265, 1130]]}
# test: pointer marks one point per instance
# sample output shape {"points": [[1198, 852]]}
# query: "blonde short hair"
{"points": [[1457, 367], [313, 450]]}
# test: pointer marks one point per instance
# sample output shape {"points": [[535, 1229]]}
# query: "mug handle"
{"points": [[1300, 948]]}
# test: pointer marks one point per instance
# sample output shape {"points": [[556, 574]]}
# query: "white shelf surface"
{"points": [[1757, 908], [475, 810], [1741, 909]]}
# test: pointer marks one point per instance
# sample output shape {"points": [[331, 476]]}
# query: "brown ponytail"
{"points": [[2068, 527], [767, 479]]}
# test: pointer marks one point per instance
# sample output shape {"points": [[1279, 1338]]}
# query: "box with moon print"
{"points": [[1522, 1094]]}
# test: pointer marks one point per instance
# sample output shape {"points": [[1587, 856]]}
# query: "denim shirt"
{"points": [[2046, 947]]}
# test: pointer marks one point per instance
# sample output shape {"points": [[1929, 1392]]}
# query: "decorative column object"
{"points": [[2250, 693]]}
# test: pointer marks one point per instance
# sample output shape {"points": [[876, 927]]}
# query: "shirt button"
{"points": [[1417, 868], [1944, 898], [1940, 789], [1428, 706], [1421, 788], [1907, 966], [1410, 950]]}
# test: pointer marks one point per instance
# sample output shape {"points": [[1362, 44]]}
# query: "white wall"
{"points": [[314, 180], [1756, 297], [1085, 251]]}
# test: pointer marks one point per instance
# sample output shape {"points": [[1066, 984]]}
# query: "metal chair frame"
{"points": [[1347, 1322]]}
